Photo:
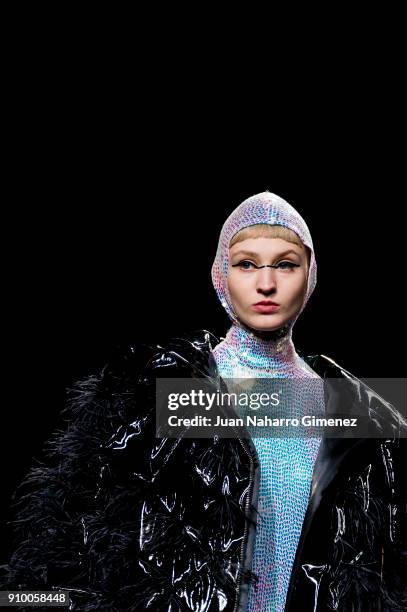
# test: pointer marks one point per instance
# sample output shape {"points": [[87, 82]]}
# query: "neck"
{"points": [[260, 350]]}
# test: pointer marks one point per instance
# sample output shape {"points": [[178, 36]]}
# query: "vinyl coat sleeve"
{"points": [[62, 507]]}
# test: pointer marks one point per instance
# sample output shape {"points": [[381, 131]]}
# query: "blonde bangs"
{"points": [[264, 230]]}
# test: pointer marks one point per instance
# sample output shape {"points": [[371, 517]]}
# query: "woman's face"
{"points": [[285, 285]]}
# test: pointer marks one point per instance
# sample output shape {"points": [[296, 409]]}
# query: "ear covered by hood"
{"points": [[267, 208]]}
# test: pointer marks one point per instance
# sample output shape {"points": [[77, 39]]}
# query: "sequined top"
{"points": [[286, 464]]}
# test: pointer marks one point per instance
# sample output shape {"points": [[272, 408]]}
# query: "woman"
{"points": [[125, 521]]}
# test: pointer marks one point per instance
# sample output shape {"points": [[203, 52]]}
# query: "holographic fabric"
{"points": [[261, 208], [286, 464]]}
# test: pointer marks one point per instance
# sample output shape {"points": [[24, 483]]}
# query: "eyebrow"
{"points": [[253, 254]]}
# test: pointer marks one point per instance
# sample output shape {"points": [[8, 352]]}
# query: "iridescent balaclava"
{"points": [[261, 208], [277, 354]]}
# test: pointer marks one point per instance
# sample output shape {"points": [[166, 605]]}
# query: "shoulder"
{"points": [[343, 388], [188, 350], [130, 366], [324, 366]]}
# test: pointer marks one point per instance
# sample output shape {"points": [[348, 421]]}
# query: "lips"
{"points": [[266, 303], [266, 307]]}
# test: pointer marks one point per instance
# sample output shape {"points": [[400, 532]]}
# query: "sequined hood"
{"points": [[266, 208], [242, 353]]}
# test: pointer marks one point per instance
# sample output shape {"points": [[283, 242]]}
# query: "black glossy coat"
{"points": [[126, 521]]}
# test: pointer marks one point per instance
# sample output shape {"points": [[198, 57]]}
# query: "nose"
{"points": [[266, 280]]}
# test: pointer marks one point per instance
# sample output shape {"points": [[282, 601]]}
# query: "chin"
{"points": [[272, 324]]}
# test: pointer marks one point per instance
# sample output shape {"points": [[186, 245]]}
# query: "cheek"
{"points": [[232, 286], [236, 286], [298, 289], [290, 288]]}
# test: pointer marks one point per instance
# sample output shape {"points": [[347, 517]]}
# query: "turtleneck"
{"points": [[286, 464], [243, 353]]}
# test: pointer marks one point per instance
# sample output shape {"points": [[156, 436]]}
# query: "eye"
{"points": [[245, 264], [287, 265]]}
